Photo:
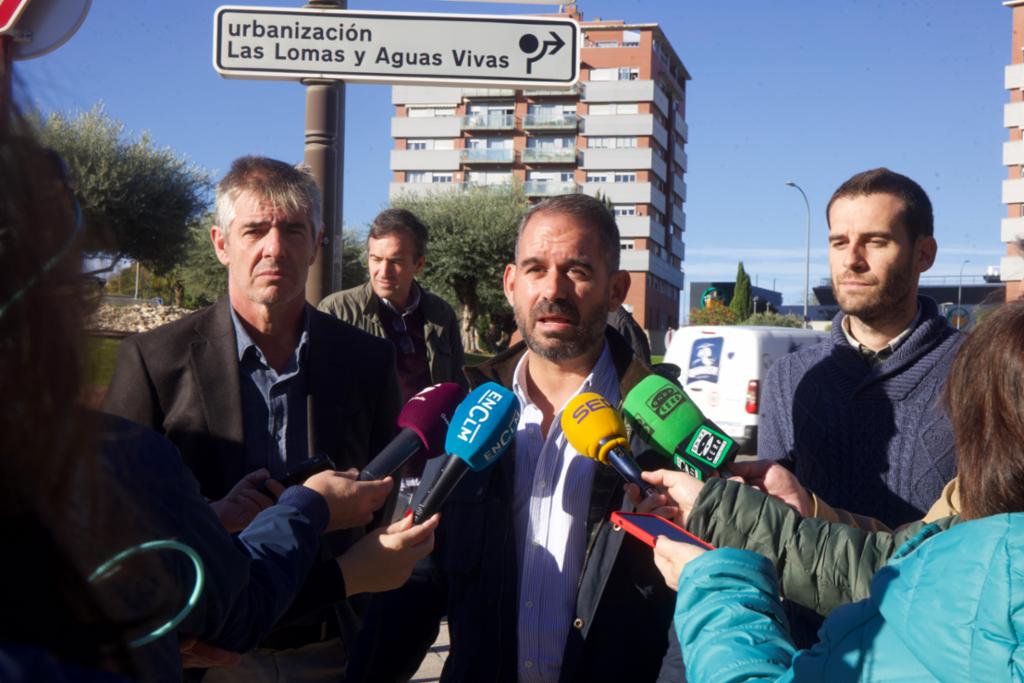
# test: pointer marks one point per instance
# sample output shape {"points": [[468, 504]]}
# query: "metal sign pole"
{"points": [[325, 155]]}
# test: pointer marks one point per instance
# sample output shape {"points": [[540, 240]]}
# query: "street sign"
{"points": [[388, 47], [10, 10], [46, 25]]}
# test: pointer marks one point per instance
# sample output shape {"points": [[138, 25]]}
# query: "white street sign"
{"points": [[456, 49]]}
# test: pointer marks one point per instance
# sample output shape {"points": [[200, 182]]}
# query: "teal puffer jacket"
{"points": [[949, 606]]}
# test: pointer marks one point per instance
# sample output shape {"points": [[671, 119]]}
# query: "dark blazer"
{"points": [[182, 380], [623, 612]]}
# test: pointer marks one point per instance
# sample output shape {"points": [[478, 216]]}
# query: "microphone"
{"points": [[482, 427], [594, 429], [424, 419], [676, 428]]}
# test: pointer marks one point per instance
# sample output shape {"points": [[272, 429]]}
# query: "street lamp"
{"points": [[807, 265], [959, 289]]}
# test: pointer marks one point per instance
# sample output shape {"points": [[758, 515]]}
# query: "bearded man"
{"points": [[537, 584], [857, 416]]}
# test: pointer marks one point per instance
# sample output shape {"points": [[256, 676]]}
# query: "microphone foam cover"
{"points": [[662, 412], [428, 414], [593, 427], [483, 425]]}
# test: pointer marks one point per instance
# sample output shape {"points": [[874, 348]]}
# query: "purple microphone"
{"points": [[424, 422]]}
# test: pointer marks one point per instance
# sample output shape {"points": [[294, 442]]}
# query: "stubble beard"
{"points": [[584, 336], [885, 302]]}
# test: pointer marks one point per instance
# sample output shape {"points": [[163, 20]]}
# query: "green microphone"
{"points": [[675, 427]]}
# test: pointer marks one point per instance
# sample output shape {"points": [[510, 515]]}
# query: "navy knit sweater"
{"points": [[871, 440]]}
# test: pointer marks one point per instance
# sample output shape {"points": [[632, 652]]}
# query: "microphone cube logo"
{"points": [[477, 415], [708, 445], [665, 401]]}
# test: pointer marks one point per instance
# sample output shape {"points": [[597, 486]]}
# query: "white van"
{"points": [[721, 368]]}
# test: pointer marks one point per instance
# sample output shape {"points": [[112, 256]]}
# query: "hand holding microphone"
{"points": [[675, 427], [481, 430], [593, 428], [424, 420]]}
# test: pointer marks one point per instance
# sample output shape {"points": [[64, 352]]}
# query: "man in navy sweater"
{"points": [[857, 417]]}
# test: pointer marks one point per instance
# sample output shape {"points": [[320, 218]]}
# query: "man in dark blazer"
{"points": [[229, 386]]}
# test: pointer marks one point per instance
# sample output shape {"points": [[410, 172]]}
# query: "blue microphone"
{"points": [[481, 429]]}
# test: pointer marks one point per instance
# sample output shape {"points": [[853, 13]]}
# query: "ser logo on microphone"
{"points": [[591, 406], [477, 415], [665, 401]]}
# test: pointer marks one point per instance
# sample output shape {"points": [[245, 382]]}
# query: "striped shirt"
{"points": [[551, 499]]}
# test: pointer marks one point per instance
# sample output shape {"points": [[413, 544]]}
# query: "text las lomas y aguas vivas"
{"points": [[351, 37]]}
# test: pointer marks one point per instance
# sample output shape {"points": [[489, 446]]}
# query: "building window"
{"points": [[428, 112], [489, 177], [627, 246], [630, 38], [613, 108], [489, 143], [551, 142], [625, 177], [597, 177], [442, 178], [607, 142], [624, 209], [430, 143], [417, 176]]}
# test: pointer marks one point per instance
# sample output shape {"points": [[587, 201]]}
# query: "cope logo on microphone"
{"points": [[477, 415], [591, 406], [665, 401]]}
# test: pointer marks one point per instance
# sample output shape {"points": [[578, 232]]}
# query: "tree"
{"points": [[353, 258], [741, 303], [472, 238], [138, 200]]}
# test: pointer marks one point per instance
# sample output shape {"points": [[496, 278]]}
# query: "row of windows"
{"points": [[622, 73], [611, 177]]}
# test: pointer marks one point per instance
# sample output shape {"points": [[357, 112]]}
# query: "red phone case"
{"points": [[662, 527]]}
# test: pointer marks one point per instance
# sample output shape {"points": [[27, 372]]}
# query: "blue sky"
{"points": [[805, 90]]}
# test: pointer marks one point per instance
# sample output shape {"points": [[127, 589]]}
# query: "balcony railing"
{"points": [[549, 188], [487, 156], [560, 155], [551, 121], [488, 122], [551, 92]]}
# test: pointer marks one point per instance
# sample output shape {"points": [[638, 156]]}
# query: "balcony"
{"points": [[1013, 153], [487, 156], [1011, 229], [421, 189], [426, 127], [677, 248], [549, 188], [1013, 191], [680, 156], [640, 227], [424, 160], [488, 92], [622, 193], [625, 91], [425, 94], [1013, 115], [557, 155], [488, 122], [642, 260], [1014, 77], [679, 187], [571, 91], [682, 130], [551, 122], [679, 219], [618, 125]]}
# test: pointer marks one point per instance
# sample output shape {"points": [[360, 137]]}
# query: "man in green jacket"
{"points": [[392, 305]]}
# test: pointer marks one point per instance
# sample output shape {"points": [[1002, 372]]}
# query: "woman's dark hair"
{"points": [[50, 484], [984, 396]]}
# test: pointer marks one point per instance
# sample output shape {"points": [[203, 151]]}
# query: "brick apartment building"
{"points": [[620, 132], [1011, 268]]}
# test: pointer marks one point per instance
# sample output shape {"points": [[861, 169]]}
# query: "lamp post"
{"points": [[959, 290], [807, 264]]}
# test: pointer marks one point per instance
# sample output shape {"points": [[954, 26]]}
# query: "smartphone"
{"points": [[648, 527]]}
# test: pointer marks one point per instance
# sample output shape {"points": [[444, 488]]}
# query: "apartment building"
{"points": [[620, 132], [1011, 268]]}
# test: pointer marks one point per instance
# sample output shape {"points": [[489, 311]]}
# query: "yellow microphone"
{"points": [[593, 427]]}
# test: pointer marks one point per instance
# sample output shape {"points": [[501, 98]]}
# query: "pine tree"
{"points": [[742, 303]]}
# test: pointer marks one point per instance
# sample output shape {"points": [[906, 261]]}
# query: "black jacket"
{"points": [[623, 609], [182, 380]]}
